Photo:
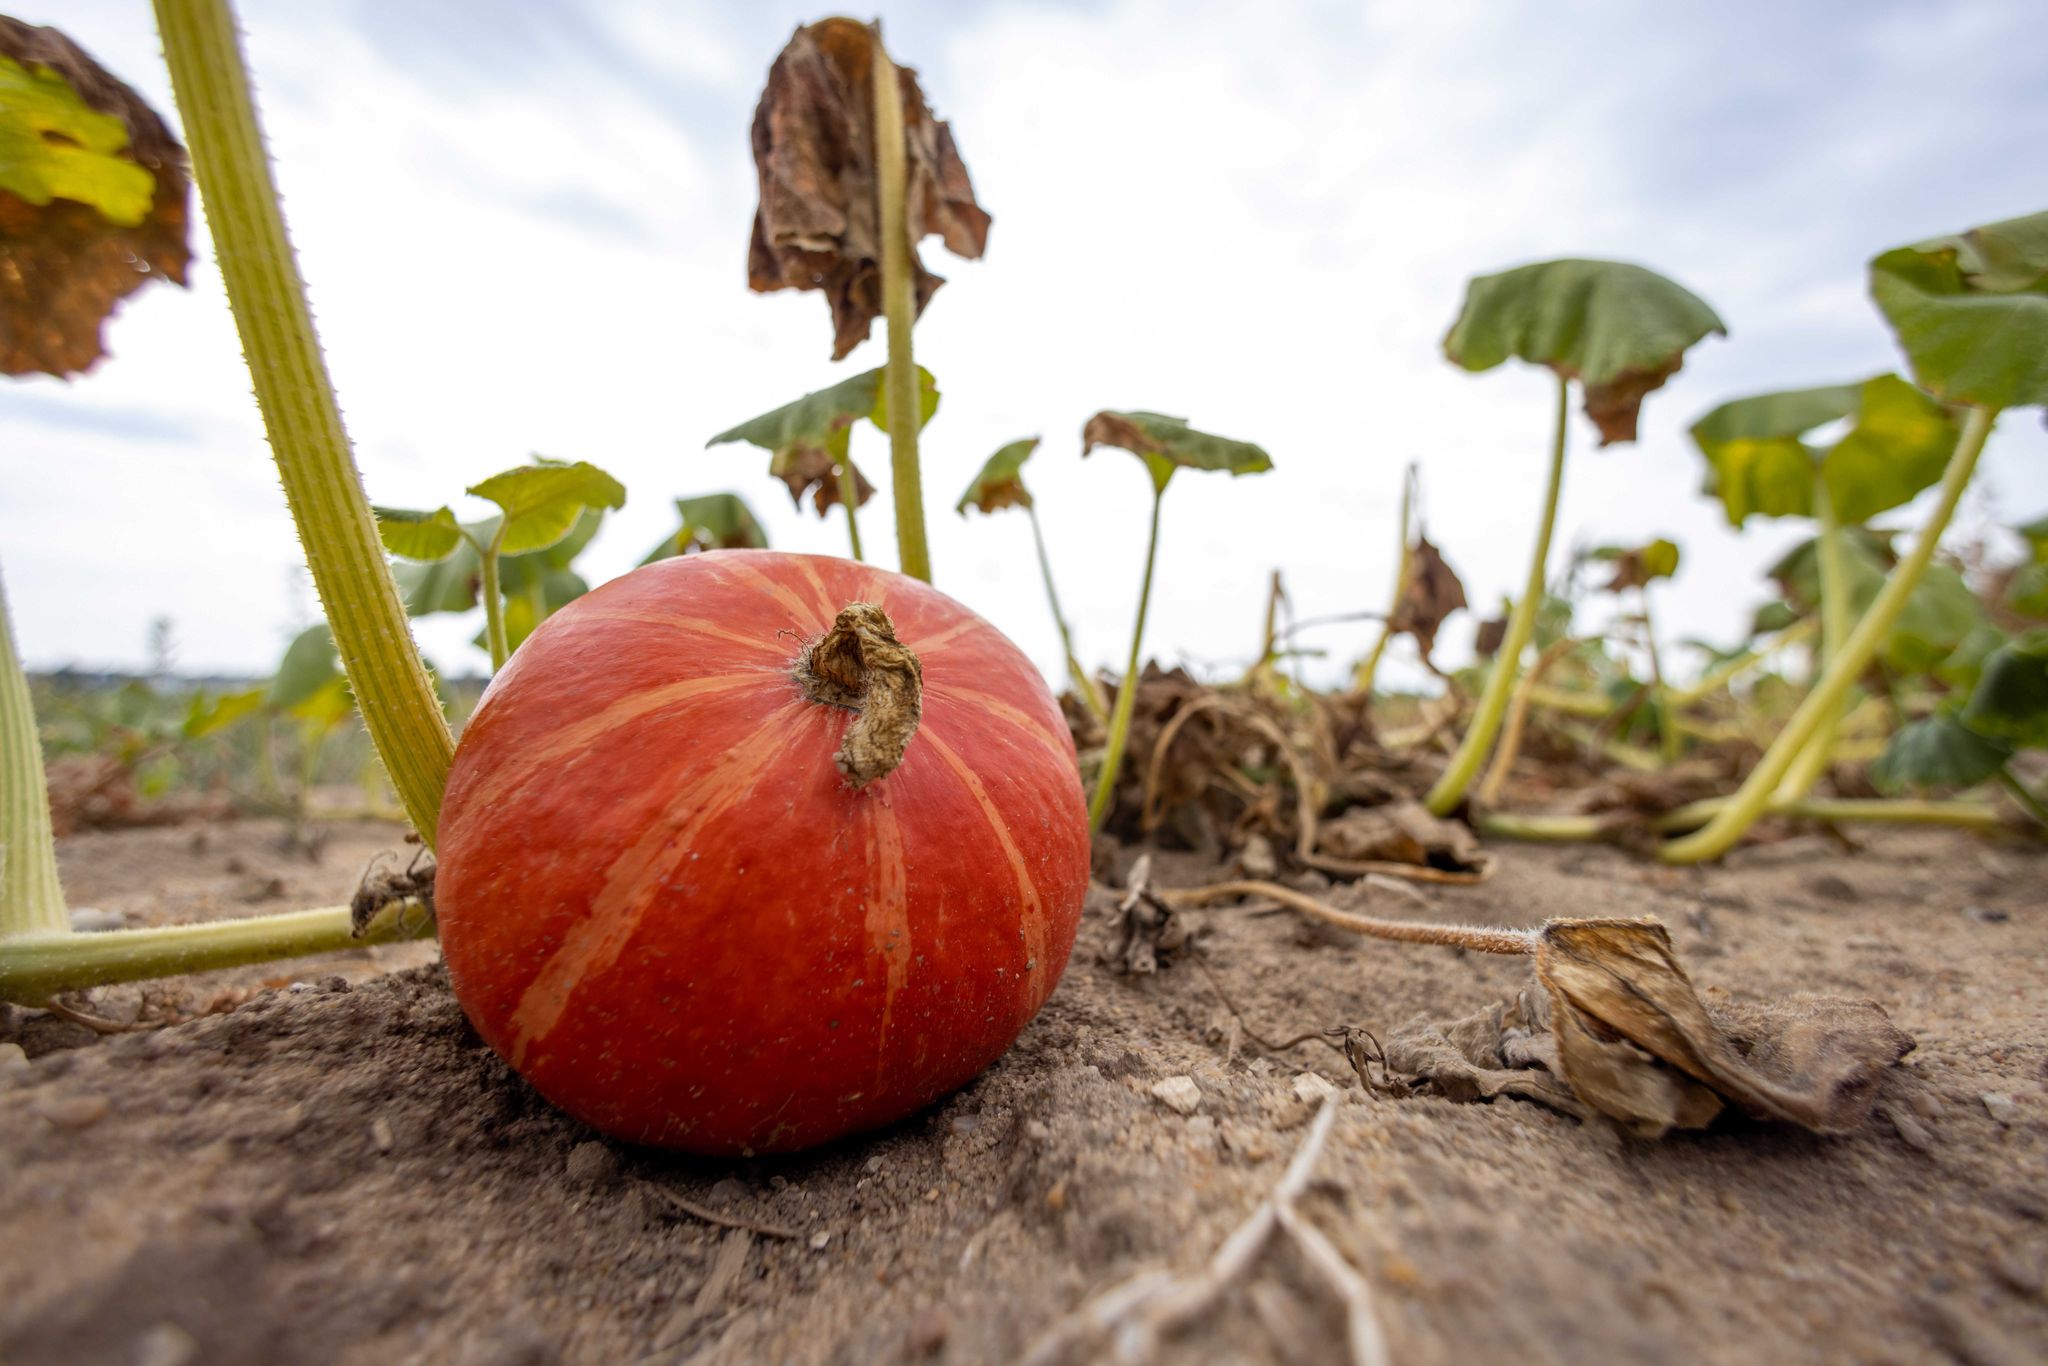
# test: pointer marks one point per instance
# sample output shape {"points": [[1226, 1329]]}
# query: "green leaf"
{"points": [[1772, 618], [211, 715], [808, 440], [1001, 481], [717, 521], [310, 664], [2035, 534], [1971, 312], [1760, 463], [927, 400], [2011, 698], [1938, 751], [1618, 329], [418, 535], [1940, 612], [1964, 664], [543, 502], [53, 145], [2027, 594], [1166, 444], [453, 584]]}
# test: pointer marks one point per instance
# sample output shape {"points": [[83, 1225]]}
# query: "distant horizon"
{"points": [[524, 229]]}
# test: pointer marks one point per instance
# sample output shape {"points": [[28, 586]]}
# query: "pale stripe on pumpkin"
{"points": [[1027, 886]]}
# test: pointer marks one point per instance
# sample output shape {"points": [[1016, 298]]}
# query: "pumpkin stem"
{"points": [[860, 665]]}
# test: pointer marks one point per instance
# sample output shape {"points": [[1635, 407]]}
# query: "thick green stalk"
{"points": [[1500, 681], [849, 495], [1982, 816], [494, 606], [1811, 765], [31, 898], [1084, 686], [1362, 681], [36, 966], [1667, 713], [299, 411], [899, 306], [1127, 691], [1821, 704]]}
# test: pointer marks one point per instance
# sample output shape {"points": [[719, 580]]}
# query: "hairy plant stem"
{"points": [[899, 306], [1479, 939], [1127, 690], [2019, 792], [1500, 681], [1362, 681], [494, 601], [849, 495], [1755, 796], [1811, 765], [1084, 686], [31, 898], [300, 414], [34, 967]]}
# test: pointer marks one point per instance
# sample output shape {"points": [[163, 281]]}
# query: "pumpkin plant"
{"points": [[1164, 444], [1620, 331], [809, 441], [539, 507], [715, 521], [1972, 737], [1971, 314], [854, 172], [1000, 484], [1637, 567], [748, 850]]}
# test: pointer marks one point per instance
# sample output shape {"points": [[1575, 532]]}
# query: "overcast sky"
{"points": [[524, 227]]}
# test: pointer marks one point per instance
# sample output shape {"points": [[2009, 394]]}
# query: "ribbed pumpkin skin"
{"points": [[661, 902]]}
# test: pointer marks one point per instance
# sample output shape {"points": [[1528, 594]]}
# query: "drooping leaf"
{"points": [[1430, 593], [2010, 702], [543, 502], [1635, 566], [1938, 751], [94, 201], [212, 715], [1166, 444], [1760, 462], [816, 227], [1001, 481], [1618, 329], [310, 664], [418, 535], [717, 521], [1971, 312], [808, 440], [1772, 618]]}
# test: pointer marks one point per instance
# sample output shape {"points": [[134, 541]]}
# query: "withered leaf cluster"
{"points": [[1402, 832], [63, 266], [1619, 1022], [817, 226]]}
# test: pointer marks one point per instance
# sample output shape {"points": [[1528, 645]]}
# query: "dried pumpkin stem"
{"points": [[1754, 799], [1493, 704], [1478, 938], [899, 306], [861, 666], [300, 413], [1127, 691]]}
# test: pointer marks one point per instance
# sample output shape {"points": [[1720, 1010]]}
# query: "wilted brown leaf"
{"points": [[1615, 406], [811, 469], [1401, 832], [63, 266], [814, 149], [1636, 1043], [1429, 593], [1503, 1050]]}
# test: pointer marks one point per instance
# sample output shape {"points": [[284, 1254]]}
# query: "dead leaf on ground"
{"points": [[814, 149], [1503, 1050], [1147, 929], [1402, 832], [63, 266], [1429, 594]]}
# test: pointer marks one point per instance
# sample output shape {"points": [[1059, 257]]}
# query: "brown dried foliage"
{"points": [[1430, 593], [62, 266], [814, 149]]}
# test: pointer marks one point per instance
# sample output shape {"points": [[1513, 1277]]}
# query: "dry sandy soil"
{"points": [[333, 1168]]}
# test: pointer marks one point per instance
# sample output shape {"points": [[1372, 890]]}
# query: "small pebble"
{"points": [[820, 1239], [1178, 1093], [75, 1112], [2000, 1106], [12, 1055], [872, 1165], [381, 1137], [1313, 1088], [1917, 1136], [92, 920], [1987, 915], [592, 1164]]}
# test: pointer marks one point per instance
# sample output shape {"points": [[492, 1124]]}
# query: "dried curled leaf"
{"points": [[1167, 444], [1402, 832], [65, 263], [814, 150], [1636, 1043], [1001, 481], [1429, 593], [1504, 1049]]}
